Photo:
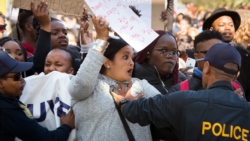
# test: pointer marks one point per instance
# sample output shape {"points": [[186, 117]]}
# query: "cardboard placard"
{"points": [[124, 22], [63, 7]]}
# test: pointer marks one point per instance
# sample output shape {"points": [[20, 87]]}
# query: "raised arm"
{"points": [[43, 45], [82, 85]]}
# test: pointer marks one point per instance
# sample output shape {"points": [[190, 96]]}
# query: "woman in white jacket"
{"points": [[107, 66]]}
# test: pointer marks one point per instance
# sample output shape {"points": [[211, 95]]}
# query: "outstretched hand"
{"points": [[41, 13], [101, 27], [124, 91]]}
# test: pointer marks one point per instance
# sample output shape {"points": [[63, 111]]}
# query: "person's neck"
{"points": [[28, 40]]}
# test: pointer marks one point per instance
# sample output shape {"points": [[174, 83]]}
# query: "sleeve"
{"points": [[149, 90], [160, 110], [25, 128], [174, 88], [82, 85], [43, 47]]}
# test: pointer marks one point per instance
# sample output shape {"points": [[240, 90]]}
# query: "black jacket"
{"points": [[214, 114], [244, 77], [148, 72], [16, 121]]}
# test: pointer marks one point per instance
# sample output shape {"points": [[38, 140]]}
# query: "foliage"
{"points": [[212, 4]]}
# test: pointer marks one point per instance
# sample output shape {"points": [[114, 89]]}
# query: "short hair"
{"points": [[72, 58], [206, 35], [6, 39], [23, 17], [243, 32]]}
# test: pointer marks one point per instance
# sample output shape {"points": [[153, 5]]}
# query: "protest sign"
{"points": [[63, 7], [124, 22]]}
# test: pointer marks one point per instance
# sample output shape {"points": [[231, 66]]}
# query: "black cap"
{"points": [[222, 12]]}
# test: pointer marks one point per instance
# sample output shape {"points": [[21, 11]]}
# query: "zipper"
{"points": [[163, 85]]}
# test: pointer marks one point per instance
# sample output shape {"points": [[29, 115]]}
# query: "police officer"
{"points": [[15, 118], [213, 114]]}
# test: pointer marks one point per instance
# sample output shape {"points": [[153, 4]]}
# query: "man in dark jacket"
{"points": [[213, 114], [202, 43], [15, 118], [227, 22]]}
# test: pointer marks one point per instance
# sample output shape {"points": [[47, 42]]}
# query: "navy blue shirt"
{"points": [[16, 121], [208, 115]]}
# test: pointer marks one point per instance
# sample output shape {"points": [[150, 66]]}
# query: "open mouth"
{"points": [[130, 71], [63, 42]]}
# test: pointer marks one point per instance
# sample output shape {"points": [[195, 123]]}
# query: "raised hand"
{"points": [[85, 35], [101, 27], [41, 13]]}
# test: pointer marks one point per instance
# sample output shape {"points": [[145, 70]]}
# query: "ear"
{"points": [[206, 68], [211, 28], [71, 71], [236, 76], [106, 63], [195, 55], [28, 27]]}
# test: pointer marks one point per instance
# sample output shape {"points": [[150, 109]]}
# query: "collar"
{"points": [[110, 81], [28, 47], [222, 84]]}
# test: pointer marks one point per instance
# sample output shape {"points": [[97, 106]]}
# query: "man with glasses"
{"points": [[15, 118], [202, 43]]}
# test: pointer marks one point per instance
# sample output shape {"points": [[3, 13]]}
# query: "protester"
{"points": [[14, 48], [28, 34], [2, 24], [61, 60], [16, 119], [96, 114], [157, 63], [213, 114], [227, 22], [202, 43]]}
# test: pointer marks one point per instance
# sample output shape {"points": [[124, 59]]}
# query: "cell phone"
{"points": [[190, 62]]}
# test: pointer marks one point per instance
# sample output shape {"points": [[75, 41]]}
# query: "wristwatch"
{"points": [[123, 101]]}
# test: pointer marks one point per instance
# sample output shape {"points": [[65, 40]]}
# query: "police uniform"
{"points": [[205, 115], [17, 121]]}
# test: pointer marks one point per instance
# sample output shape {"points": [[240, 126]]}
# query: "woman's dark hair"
{"points": [[142, 55], [6, 39], [114, 46]]}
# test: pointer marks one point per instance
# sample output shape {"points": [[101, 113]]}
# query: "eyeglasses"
{"points": [[16, 77], [2, 27], [204, 52], [165, 53]]}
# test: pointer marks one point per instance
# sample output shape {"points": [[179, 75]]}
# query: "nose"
{"points": [[52, 68], [62, 35], [131, 63]]}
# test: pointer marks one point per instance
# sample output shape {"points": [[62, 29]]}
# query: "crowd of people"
{"points": [[100, 88]]}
